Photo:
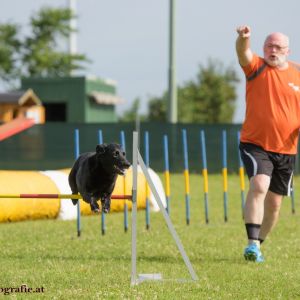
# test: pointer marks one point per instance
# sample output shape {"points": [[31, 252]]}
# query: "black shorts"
{"points": [[280, 167]]}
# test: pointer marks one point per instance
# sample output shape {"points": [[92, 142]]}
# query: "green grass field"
{"points": [[48, 254]]}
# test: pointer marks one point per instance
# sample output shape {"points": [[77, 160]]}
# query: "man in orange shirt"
{"points": [[269, 134]]}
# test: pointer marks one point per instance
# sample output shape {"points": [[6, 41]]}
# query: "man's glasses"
{"points": [[276, 47]]}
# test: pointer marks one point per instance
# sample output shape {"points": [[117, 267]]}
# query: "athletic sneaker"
{"points": [[253, 253]]}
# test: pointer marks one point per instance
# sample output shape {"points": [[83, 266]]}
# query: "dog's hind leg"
{"points": [[94, 205], [105, 203]]}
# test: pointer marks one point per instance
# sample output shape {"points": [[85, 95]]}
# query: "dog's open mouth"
{"points": [[119, 170]]}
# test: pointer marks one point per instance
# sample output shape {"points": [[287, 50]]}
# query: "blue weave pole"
{"points": [[103, 227], [76, 154], [146, 144], [204, 173], [242, 175], [293, 199], [224, 171], [123, 145], [186, 176], [167, 172]]}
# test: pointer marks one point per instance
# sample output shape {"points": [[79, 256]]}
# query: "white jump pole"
{"points": [[134, 207]]}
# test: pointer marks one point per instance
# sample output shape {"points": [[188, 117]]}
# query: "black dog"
{"points": [[94, 175]]}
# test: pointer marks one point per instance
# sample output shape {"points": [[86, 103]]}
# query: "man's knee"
{"points": [[259, 184], [273, 202]]}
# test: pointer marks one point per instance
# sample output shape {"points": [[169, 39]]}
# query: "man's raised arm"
{"points": [[243, 50]]}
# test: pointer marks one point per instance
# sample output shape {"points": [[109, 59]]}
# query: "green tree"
{"points": [[157, 108], [131, 114], [39, 53], [208, 99], [9, 52]]}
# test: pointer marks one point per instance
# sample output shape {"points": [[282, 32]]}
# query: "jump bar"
{"points": [[59, 196]]}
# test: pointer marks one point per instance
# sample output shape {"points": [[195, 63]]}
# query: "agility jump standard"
{"points": [[136, 279]]}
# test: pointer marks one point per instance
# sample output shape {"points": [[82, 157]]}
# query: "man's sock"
{"points": [[253, 233]]}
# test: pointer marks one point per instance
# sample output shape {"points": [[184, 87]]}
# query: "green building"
{"points": [[76, 99]]}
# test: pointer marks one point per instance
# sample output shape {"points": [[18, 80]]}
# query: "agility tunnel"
{"points": [[56, 182]]}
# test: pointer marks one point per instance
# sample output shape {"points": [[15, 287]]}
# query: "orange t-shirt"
{"points": [[272, 107]]}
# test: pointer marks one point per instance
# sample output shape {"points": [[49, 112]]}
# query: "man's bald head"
{"points": [[276, 50], [279, 37]]}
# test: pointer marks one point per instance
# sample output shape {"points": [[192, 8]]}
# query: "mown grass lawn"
{"points": [[48, 254]]}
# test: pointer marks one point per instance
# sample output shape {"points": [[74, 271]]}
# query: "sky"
{"points": [[128, 40]]}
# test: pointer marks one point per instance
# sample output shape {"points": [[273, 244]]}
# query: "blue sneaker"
{"points": [[253, 253]]}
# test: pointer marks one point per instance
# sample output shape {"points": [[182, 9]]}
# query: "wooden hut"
{"points": [[21, 104]]}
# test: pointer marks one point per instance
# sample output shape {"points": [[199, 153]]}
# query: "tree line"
{"points": [[208, 98]]}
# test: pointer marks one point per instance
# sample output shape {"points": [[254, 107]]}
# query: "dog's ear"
{"points": [[100, 149]]}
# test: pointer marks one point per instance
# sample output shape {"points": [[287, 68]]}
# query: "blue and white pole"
{"points": [[224, 171], [242, 175], [123, 145], [103, 227], [167, 172], [293, 198], [76, 153], [186, 176], [146, 143], [204, 173]]}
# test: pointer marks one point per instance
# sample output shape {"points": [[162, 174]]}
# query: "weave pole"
{"points": [[103, 227], [123, 145], [204, 173], [147, 161], [77, 152], [167, 173], [293, 197], [242, 176], [224, 171], [186, 176]]}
